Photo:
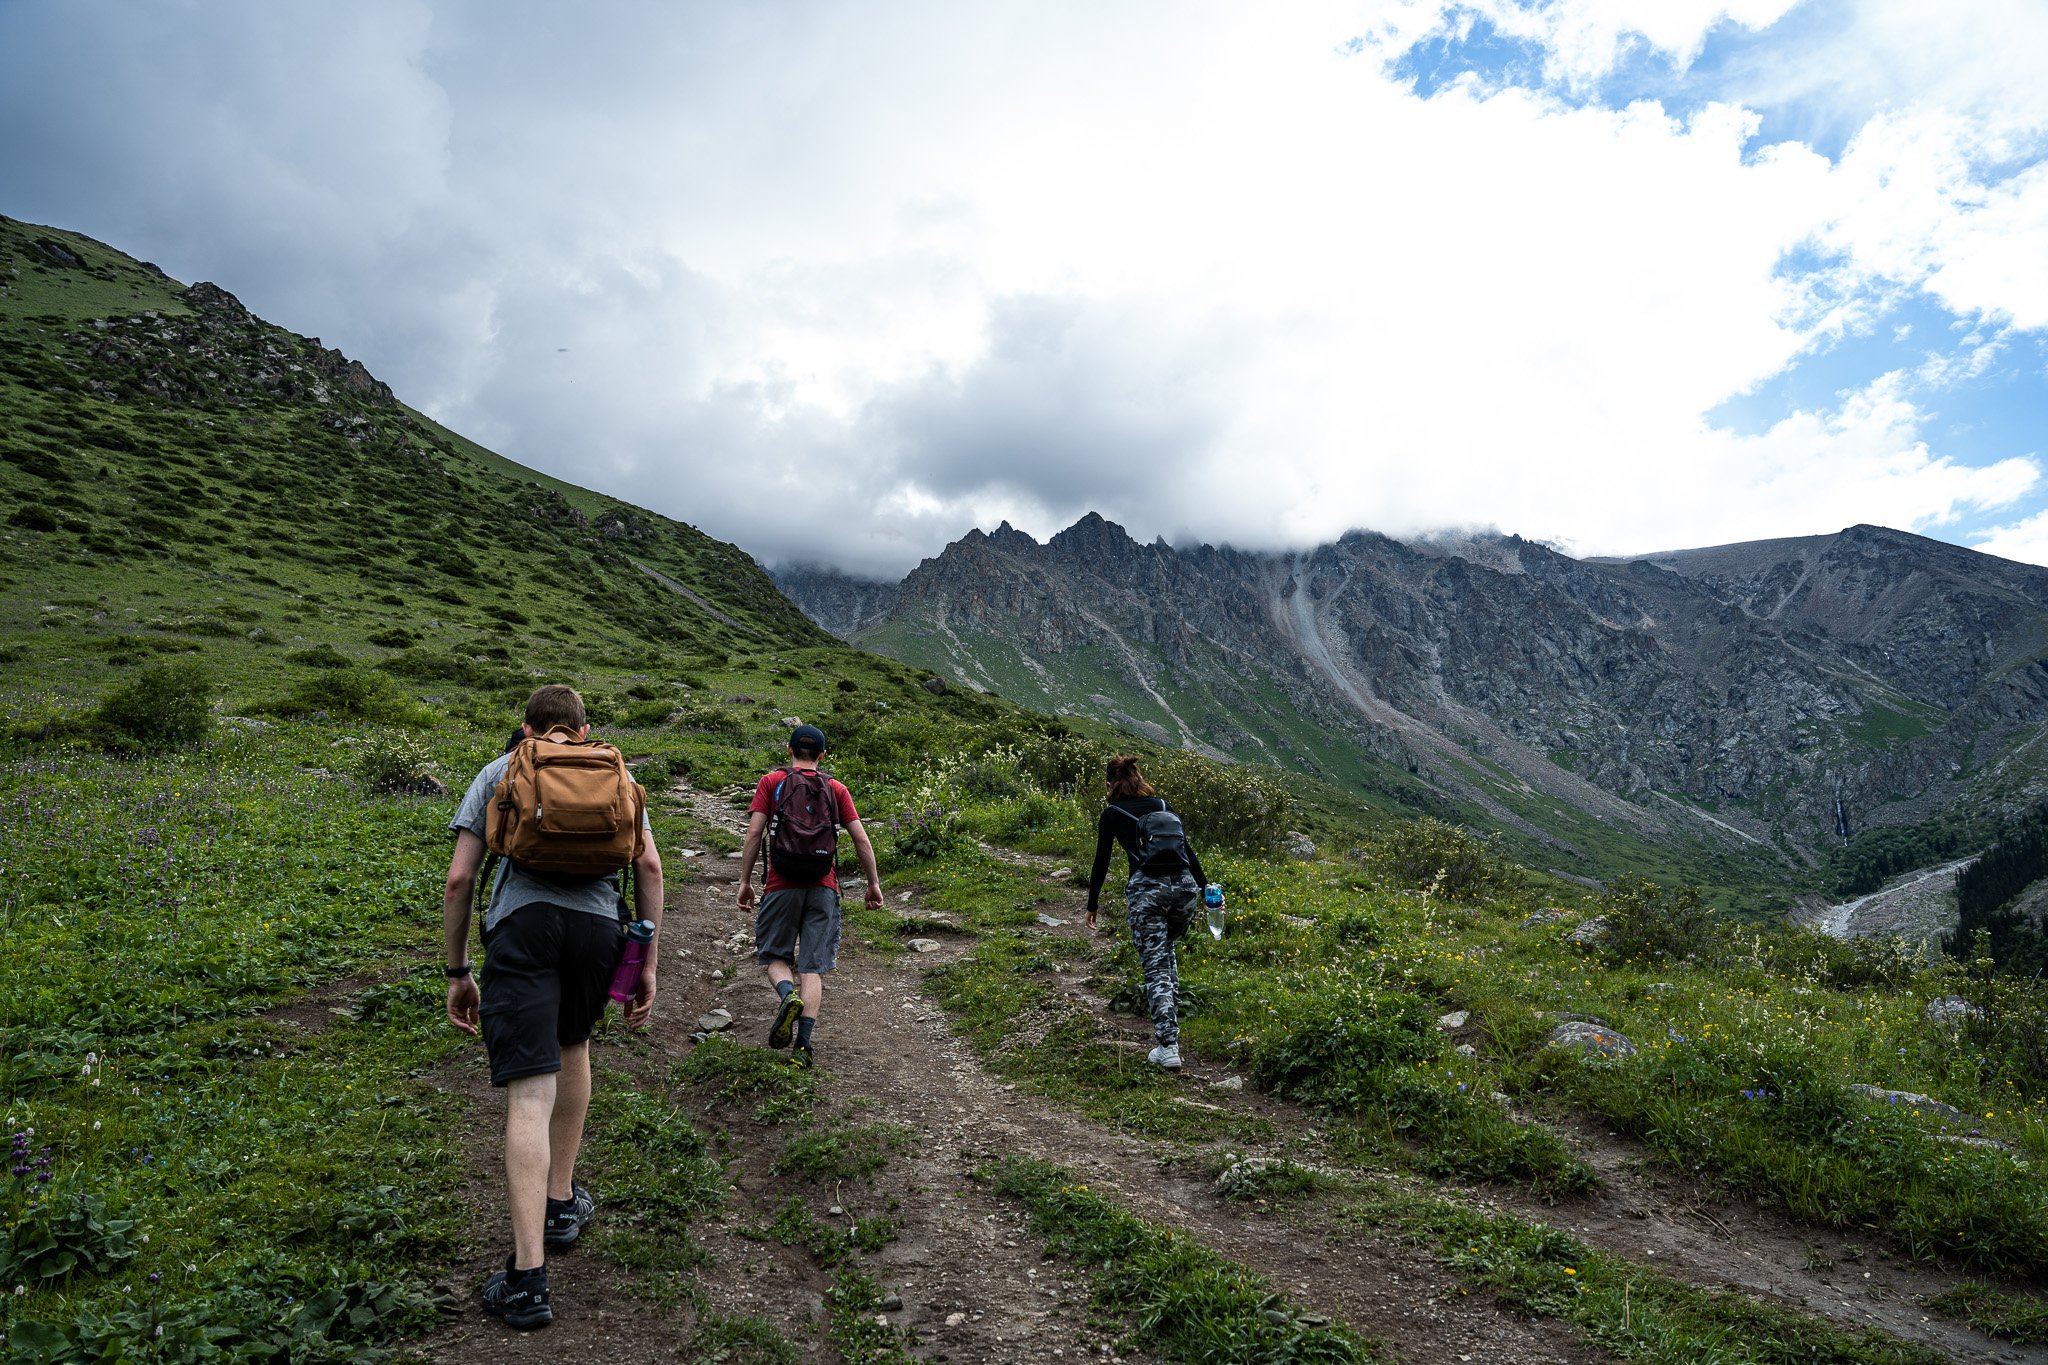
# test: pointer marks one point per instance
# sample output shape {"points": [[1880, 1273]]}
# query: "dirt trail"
{"points": [[973, 1285]]}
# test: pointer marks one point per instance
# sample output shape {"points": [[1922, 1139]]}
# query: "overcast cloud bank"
{"points": [[839, 284]]}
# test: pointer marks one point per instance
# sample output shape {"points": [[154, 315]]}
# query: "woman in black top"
{"points": [[1165, 883]]}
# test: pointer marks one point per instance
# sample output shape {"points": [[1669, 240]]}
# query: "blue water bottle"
{"points": [[1212, 896]]}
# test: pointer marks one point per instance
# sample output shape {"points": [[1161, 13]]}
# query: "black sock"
{"points": [[803, 1030], [783, 988], [515, 1276]]}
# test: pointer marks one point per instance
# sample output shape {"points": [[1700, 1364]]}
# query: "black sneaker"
{"points": [[568, 1217], [800, 1056], [786, 1013], [522, 1305]]}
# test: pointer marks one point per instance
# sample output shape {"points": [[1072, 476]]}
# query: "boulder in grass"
{"points": [[1925, 1105], [1950, 1011], [1590, 1038], [1588, 933], [1538, 919]]}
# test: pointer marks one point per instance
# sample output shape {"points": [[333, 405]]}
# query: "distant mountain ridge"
{"points": [[1748, 698]]}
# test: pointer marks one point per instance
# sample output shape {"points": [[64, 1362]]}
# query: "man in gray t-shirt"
{"points": [[551, 947], [515, 886]]}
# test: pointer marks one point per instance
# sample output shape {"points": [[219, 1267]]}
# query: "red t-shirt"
{"points": [[764, 804]]}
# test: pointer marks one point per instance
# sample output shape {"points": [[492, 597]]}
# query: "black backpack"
{"points": [[1162, 844], [803, 834]]}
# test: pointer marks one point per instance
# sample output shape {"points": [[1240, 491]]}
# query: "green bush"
{"points": [[1651, 923], [354, 694], [1443, 859], [1226, 805], [322, 655], [165, 706], [390, 762]]}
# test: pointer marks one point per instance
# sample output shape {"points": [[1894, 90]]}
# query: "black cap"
{"points": [[808, 740]]}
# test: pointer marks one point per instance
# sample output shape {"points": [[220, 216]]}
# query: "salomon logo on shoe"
{"points": [[568, 1217], [523, 1302]]}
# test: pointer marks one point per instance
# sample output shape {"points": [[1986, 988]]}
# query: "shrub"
{"points": [[394, 637], [925, 828], [322, 655], [32, 518], [1443, 859], [1649, 922], [643, 715], [355, 693], [1228, 805], [395, 763], [165, 706]]}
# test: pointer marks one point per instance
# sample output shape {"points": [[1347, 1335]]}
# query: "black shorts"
{"points": [[546, 979]]}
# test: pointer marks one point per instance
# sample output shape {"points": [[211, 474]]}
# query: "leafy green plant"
{"points": [[1226, 805], [164, 706], [389, 761], [1651, 923], [1446, 860]]}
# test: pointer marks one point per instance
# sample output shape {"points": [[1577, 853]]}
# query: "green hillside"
{"points": [[184, 479]]}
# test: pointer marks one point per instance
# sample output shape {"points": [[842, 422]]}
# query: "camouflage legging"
{"points": [[1160, 910]]}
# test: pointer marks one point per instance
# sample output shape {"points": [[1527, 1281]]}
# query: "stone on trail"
{"points": [[1907, 1099], [1230, 1084], [922, 945], [717, 1021], [956, 1319], [1590, 1038], [1049, 921], [893, 1304]]}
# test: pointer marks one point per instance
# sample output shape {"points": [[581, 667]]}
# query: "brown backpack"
{"points": [[569, 808]]}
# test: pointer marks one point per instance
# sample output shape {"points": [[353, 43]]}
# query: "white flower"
{"points": [[95, 1125], [92, 1059]]}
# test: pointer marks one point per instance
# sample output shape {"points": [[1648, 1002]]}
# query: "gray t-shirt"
{"points": [[516, 886]]}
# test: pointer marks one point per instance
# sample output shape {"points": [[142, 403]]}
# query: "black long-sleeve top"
{"points": [[1119, 822]]}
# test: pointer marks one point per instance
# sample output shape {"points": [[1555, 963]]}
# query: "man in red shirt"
{"points": [[796, 932]]}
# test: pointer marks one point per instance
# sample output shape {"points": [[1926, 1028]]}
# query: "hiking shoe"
{"points": [[784, 1027], [800, 1056], [1167, 1057], [523, 1305], [568, 1217]]}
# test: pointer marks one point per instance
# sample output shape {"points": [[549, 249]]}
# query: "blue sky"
{"points": [[1979, 383], [1616, 275]]}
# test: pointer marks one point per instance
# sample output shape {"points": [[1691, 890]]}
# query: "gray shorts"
{"points": [[800, 925]]}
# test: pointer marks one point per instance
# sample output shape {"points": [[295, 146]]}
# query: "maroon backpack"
{"points": [[803, 834]]}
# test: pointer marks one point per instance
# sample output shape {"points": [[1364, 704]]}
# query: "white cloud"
{"points": [[1584, 40], [2025, 540], [922, 265]]}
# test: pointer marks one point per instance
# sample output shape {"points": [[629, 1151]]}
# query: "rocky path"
{"points": [[972, 1283]]}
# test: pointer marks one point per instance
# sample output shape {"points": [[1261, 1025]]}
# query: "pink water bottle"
{"points": [[626, 979]]}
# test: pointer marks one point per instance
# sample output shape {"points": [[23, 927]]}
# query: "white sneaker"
{"points": [[1168, 1057]]}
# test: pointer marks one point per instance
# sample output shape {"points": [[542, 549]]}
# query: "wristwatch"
{"points": [[453, 972]]}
